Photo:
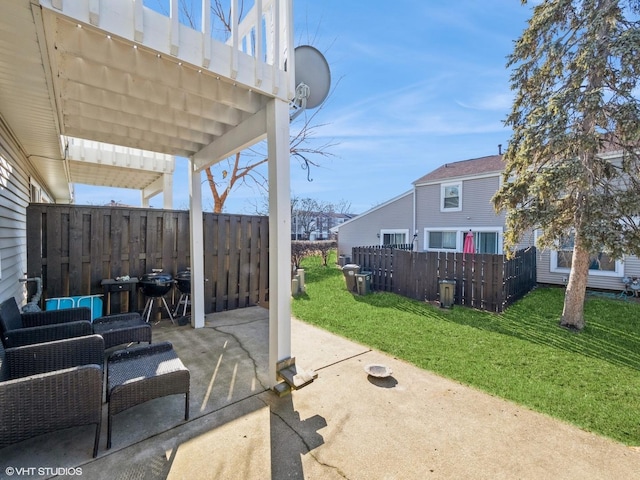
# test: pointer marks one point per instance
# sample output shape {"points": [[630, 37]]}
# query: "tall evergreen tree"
{"points": [[575, 75]]}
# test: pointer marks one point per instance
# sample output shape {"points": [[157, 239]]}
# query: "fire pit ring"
{"points": [[378, 370]]}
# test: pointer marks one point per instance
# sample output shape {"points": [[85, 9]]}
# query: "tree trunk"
{"points": [[573, 311]]}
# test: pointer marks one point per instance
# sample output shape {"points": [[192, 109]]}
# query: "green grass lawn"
{"points": [[590, 379]]}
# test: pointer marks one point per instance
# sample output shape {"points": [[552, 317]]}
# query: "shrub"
{"points": [[301, 249]]}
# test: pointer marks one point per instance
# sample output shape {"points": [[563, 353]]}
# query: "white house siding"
{"points": [[477, 210], [363, 230], [14, 198]]}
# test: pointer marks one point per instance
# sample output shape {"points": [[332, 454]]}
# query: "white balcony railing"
{"points": [[264, 33], [118, 156]]}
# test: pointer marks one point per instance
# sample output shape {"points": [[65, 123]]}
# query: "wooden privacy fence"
{"points": [[483, 281], [73, 248]]}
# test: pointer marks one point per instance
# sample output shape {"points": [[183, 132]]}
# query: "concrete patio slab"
{"points": [[411, 425]]}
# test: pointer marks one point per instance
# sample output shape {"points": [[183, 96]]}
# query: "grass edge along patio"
{"points": [[591, 379]]}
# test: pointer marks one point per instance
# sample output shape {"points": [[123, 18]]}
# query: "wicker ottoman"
{"points": [[142, 373], [122, 328]]}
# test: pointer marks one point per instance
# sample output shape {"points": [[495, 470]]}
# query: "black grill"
{"points": [[183, 281], [155, 285]]}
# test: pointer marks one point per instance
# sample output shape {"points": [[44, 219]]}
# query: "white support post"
{"points": [[235, 39], [279, 235], [94, 12], [206, 33], [259, 46], [167, 190], [174, 30], [286, 23], [138, 20], [197, 247]]}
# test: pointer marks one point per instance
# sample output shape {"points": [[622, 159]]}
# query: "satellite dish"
{"points": [[312, 77]]}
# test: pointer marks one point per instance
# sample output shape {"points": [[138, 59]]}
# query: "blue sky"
{"points": [[416, 84]]}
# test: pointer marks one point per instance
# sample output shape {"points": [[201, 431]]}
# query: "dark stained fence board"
{"points": [[478, 282], [426, 273], [136, 246], [403, 283], [244, 243], [254, 262], [497, 283], [151, 260], [221, 264], [118, 230], [94, 257], [459, 276], [75, 256], [168, 236], [74, 247], [378, 261], [483, 281], [464, 277], [183, 245], [263, 272], [233, 292], [210, 260], [117, 268], [54, 240], [430, 272], [169, 227]]}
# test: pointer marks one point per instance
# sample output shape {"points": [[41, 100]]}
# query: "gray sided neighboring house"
{"points": [[447, 203]]}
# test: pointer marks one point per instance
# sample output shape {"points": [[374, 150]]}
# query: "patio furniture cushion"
{"points": [[18, 328], [122, 328], [10, 318], [56, 355], [142, 373], [51, 386]]}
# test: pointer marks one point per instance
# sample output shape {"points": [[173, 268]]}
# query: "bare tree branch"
{"points": [[223, 177]]}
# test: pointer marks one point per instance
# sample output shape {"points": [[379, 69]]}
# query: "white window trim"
{"points": [[553, 268], [35, 191], [394, 230], [443, 186], [460, 232], [498, 230], [443, 229]]}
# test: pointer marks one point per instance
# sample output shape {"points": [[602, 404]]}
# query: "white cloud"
{"points": [[493, 102]]}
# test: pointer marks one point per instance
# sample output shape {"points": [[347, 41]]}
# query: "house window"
{"points": [[442, 240], [486, 242], [35, 192], [599, 264], [394, 237], [451, 197]]}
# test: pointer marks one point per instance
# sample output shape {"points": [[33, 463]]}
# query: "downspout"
{"points": [[32, 304], [414, 231]]}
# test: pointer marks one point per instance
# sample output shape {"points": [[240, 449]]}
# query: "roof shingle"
{"points": [[464, 168]]}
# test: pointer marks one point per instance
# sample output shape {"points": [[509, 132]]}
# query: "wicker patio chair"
{"points": [[19, 329], [122, 328], [51, 386], [142, 373]]}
